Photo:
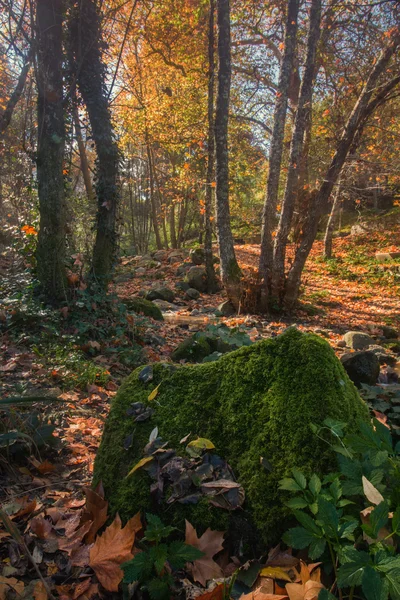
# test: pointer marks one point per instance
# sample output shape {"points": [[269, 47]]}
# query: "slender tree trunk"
{"points": [[230, 271], [331, 225], [360, 113], [276, 148], [296, 147], [153, 200], [172, 229], [83, 156], [87, 42], [208, 254], [50, 151], [5, 117]]}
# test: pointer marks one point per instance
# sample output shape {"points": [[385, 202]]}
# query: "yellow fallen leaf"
{"points": [[39, 591], [201, 444], [141, 464], [371, 493], [153, 393], [275, 573]]}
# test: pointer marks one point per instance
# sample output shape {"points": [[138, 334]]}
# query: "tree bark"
{"points": [[333, 217], [87, 43], [357, 119], [210, 273], [82, 155], [296, 147], [5, 118], [153, 200], [276, 148], [230, 271], [50, 151]]}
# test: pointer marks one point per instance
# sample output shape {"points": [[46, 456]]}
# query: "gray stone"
{"points": [[164, 305], [197, 256], [140, 271], [160, 255], [192, 294], [358, 340], [161, 293], [182, 285], [389, 332], [226, 309], [196, 277], [183, 269], [175, 257], [361, 367], [383, 356]]}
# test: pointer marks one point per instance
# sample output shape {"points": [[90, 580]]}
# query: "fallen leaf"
{"points": [[39, 591], [10, 583], [210, 543], [140, 464], [201, 444], [71, 544], [112, 549], [371, 493], [153, 393], [41, 527], [81, 588], [275, 573], [96, 508]]}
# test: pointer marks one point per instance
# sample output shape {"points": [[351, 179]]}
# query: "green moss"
{"points": [[145, 307], [257, 401], [193, 349]]}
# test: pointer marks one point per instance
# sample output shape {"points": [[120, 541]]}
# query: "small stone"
{"points": [[183, 269], [140, 271], [182, 285], [341, 344], [227, 309], [192, 294], [390, 333], [197, 256], [357, 340]]}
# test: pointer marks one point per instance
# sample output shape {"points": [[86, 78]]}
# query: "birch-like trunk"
{"points": [[276, 147]]}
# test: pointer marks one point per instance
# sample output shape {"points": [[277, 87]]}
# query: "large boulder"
{"points": [[361, 367], [256, 402], [196, 277], [144, 307], [197, 256], [161, 293]]}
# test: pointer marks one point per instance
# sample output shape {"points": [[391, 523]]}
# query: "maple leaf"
{"points": [[210, 543], [112, 549]]}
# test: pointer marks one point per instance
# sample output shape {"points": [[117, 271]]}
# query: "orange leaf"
{"points": [[112, 549], [210, 543]]}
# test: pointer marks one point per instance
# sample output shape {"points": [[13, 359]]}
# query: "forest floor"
{"points": [[43, 493]]}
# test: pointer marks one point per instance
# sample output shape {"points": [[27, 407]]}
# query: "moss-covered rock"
{"points": [[255, 402], [192, 349], [145, 307]]}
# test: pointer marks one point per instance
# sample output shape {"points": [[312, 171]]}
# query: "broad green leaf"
{"points": [[296, 503], [337, 427], [396, 521], [373, 585], [379, 517], [298, 538], [289, 484], [308, 522], [137, 569], [393, 577], [158, 555], [315, 484], [347, 529], [326, 595], [316, 548], [156, 530], [329, 517], [159, 589], [388, 563], [180, 553], [351, 573], [299, 478]]}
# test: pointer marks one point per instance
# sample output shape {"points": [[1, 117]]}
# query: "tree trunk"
{"points": [[172, 229], [211, 279], [50, 152], [230, 271], [83, 156], [333, 217], [296, 146], [153, 200], [276, 148], [87, 43], [360, 113], [5, 118]]}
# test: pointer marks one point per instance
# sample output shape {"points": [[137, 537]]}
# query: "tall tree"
{"points": [[50, 149], [296, 151], [211, 279], [371, 96], [86, 37], [276, 144], [230, 271]]}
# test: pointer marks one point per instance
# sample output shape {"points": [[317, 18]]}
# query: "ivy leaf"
{"points": [[180, 553]]}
